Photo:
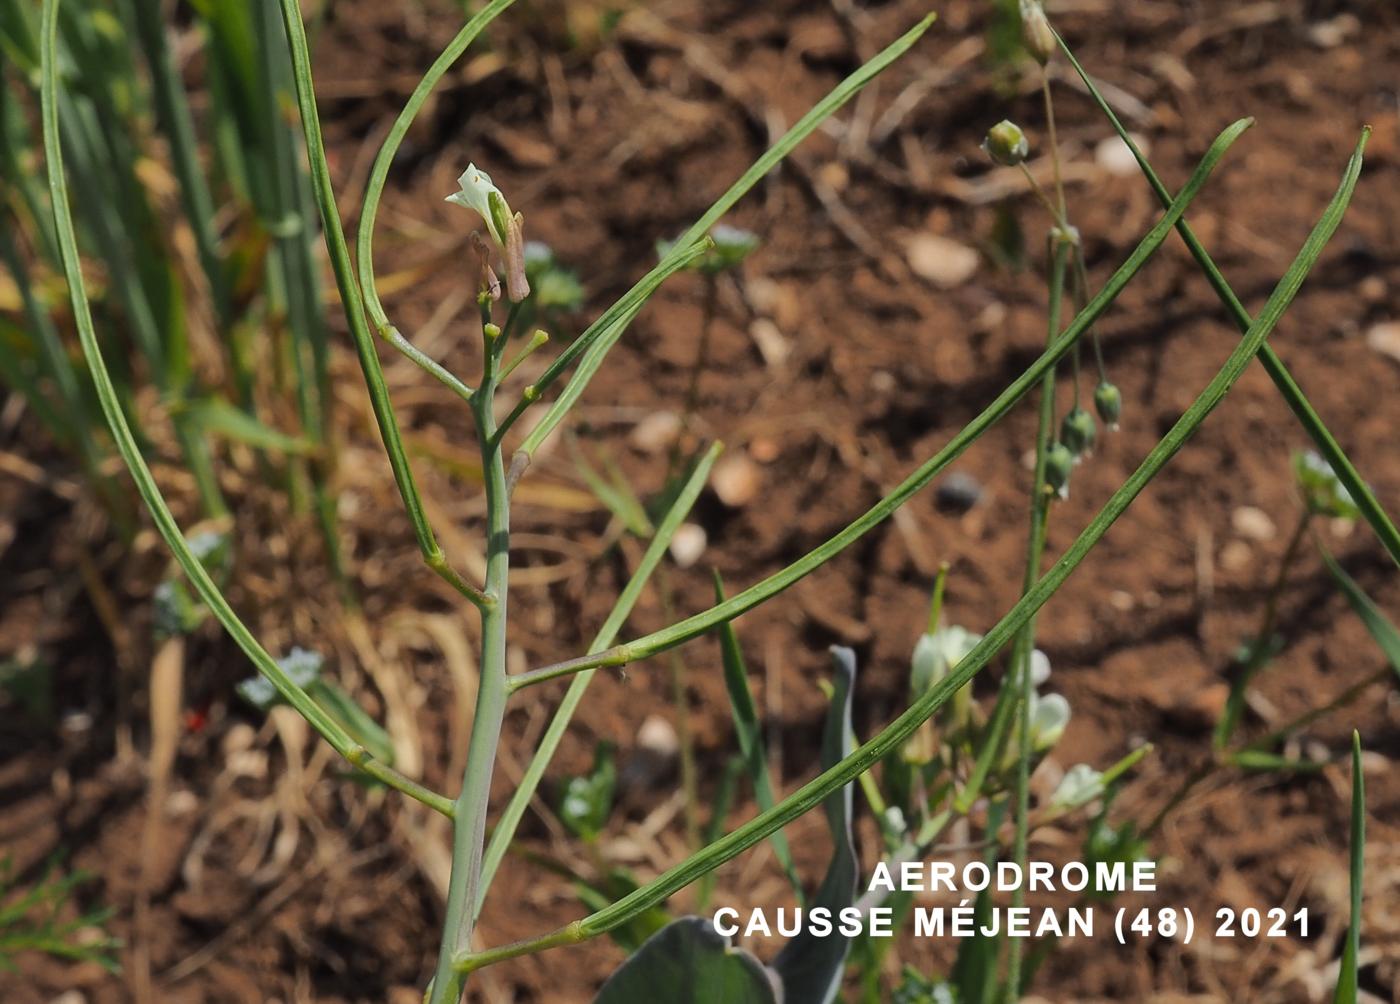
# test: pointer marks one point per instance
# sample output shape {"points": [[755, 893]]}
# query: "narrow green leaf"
{"points": [[1261, 760], [749, 731], [603, 333], [1347, 980], [353, 718], [1385, 633], [217, 417]]}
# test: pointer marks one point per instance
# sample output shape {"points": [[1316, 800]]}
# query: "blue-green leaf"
{"points": [[689, 962], [811, 966]]}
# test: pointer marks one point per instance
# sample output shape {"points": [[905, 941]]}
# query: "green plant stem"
{"points": [[810, 795], [1054, 143], [472, 805], [1025, 641], [594, 344], [748, 599], [529, 782], [1293, 395], [353, 303], [141, 473], [374, 191]]}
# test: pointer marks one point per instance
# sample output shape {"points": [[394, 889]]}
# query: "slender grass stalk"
{"points": [[353, 303], [174, 117], [529, 782], [1035, 552], [811, 794], [145, 484], [594, 344], [702, 622], [1347, 978], [374, 191], [1293, 395]]}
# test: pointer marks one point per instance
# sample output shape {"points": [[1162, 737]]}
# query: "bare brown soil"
{"points": [[274, 880]]}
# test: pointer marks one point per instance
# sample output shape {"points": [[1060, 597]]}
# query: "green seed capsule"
{"points": [[1077, 431], [1006, 144], [1108, 402], [1059, 461]]}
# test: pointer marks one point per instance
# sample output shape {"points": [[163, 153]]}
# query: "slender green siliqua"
{"points": [[810, 795], [1293, 395], [1035, 551], [529, 781], [130, 453], [353, 303], [374, 191], [700, 623]]}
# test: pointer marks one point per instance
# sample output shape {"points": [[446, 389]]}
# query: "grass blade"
{"points": [[1385, 633], [136, 464], [749, 731], [811, 794], [1347, 982], [1293, 395]]}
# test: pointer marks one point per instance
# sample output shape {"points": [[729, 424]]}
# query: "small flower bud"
{"points": [[517, 285], [1006, 144], [1035, 31], [1059, 461], [1077, 432], [1080, 784], [1049, 716], [1108, 402]]}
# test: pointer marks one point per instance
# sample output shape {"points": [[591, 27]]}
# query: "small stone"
{"points": [[1385, 339], [1372, 289], [765, 449], [1253, 523], [1114, 156], [1121, 600], [1333, 32], [957, 493], [735, 480], [941, 261], [1236, 556], [688, 544], [658, 736], [69, 997], [656, 432]]}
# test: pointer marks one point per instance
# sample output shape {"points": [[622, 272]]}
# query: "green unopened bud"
{"points": [[1006, 144], [1035, 31], [1108, 402], [1077, 431], [1059, 461]]}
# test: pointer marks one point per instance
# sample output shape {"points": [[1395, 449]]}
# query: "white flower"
{"points": [[936, 654], [1049, 716], [1040, 667], [1080, 784], [476, 188]]}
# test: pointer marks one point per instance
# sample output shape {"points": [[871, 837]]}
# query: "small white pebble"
{"points": [[688, 544]]}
